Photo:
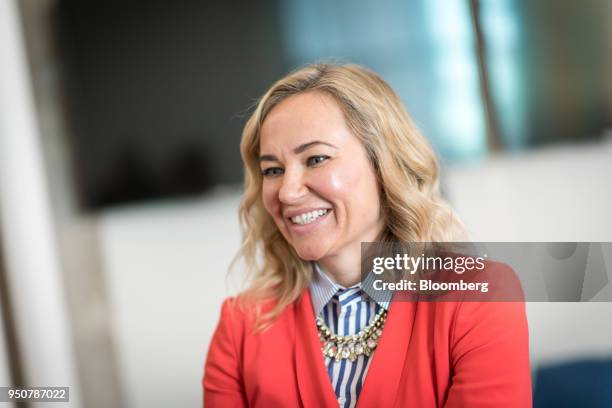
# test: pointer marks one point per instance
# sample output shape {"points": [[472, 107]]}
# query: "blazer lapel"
{"points": [[313, 381], [380, 388]]}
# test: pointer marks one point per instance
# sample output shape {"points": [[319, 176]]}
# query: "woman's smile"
{"points": [[307, 221]]}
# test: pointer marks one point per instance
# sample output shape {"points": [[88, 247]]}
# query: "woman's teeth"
{"points": [[307, 218]]}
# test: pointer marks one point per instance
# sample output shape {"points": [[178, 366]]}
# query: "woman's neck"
{"points": [[344, 268]]}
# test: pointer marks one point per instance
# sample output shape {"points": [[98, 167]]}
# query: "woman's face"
{"points": [[318, 184]]}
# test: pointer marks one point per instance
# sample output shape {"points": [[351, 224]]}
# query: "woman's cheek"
{"points": [[341, 181], [270, 204]]}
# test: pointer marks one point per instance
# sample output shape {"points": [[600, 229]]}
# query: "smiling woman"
{"points": [[332, 160]]}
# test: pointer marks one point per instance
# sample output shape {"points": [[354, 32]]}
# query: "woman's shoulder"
{"points": [[246, 312], [493, 296], [489, 306], [244, 304]]}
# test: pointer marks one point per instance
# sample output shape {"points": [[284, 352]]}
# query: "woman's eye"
{"points": [[271, 171], [314, 160]]}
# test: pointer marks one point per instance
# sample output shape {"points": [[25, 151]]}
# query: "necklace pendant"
{"points": [[359, 348], [338, 356], [329, 350]]}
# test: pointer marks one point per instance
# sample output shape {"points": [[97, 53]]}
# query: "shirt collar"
{"points": [[323, 289]]}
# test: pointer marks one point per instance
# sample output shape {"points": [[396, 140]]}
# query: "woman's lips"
{"points": [[310, 226], [293, 213]]}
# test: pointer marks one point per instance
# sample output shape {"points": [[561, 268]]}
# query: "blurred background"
{"points": [[120, 174]]}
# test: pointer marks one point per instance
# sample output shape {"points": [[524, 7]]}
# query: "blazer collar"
{"points": [[383, 377], [313, 382]]}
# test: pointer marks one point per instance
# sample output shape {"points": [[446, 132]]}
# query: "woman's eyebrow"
{"points": [[308, 145], [267, 157], [297, 150]]}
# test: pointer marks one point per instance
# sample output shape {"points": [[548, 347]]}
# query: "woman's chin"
{"points": [[308, 253]]}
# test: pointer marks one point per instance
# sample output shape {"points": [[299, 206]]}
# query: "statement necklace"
{"points": [[350, 347]]}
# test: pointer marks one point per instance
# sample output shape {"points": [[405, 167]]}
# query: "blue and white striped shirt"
{"points": [[345, 311]]}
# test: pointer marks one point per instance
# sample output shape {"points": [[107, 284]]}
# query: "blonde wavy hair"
{"points": [[405, 165]]}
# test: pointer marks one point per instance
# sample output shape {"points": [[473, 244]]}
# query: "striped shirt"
{"points": [[345, 311]]}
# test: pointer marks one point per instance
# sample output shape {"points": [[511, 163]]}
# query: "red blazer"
{"points": [[437, 354]]}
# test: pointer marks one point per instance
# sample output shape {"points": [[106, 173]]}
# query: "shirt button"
{"points": [[341, 400]]}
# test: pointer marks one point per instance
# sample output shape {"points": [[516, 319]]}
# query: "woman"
{"points": [[332, 160]]}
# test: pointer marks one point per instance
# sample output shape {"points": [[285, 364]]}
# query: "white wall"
{"points": [[559, 194], [166, 263], [166, 269]]}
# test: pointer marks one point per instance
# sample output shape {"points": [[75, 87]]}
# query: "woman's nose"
{"points": [[292, 188]]}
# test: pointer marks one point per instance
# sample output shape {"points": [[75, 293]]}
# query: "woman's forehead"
{"points": [[302, 119]]}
